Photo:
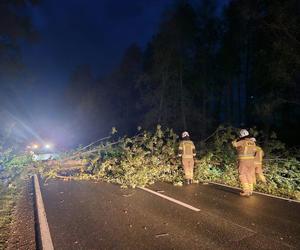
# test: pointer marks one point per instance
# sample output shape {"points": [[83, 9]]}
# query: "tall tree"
{"points": [[277, 65], [122, 94], [204, 81], [171, 56]]}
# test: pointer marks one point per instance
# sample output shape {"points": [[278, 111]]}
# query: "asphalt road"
{"points": [[87, 215]]}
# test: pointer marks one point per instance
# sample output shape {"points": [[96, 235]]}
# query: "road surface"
{"points": [[88, 215]]}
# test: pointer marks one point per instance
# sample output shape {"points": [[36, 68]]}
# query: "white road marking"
{"points": [[170, 199], [255, 192], [43, 224]]}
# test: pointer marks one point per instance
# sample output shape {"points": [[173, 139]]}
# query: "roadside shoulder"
{"points": [[22, 234]]}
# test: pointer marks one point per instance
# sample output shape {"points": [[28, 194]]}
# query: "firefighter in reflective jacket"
{"points": [[187, 151], [258, 163], [246, 150]]}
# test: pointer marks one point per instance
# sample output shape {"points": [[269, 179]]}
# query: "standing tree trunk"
{"points": [[182, 108], [229, 101], [162, 97], [204, 111]]}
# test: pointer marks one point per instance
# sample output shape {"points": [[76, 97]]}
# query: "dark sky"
{"points": [[74, 32], [96, 32]]}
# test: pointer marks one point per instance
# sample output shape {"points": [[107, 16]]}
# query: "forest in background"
{"points": [[203, 67], [200, 69]]}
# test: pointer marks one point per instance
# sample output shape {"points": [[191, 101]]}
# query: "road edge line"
{"points": [[44, 231], [171, 199], [255, 192]]}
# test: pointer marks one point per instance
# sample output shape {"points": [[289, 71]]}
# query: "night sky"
{"points": [[77, 32], [94, 32]]}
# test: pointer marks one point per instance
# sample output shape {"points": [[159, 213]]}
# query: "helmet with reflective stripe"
{"points": [[185, 134], [244, 132]]}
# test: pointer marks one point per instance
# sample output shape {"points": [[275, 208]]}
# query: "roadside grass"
{"points": [[7, 203], [13, 173]]}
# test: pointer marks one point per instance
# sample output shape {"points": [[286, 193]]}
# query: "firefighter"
{"points": [[187, 151], [258, 163], [246, 149]]}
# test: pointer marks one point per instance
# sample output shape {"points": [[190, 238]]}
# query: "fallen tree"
{"points": [[152, 156]]}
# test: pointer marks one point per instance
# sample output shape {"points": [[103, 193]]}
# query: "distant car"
{"points": [[44, 156], [43, 153]]}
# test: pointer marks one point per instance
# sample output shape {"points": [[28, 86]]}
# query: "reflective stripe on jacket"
{"points": [[246, 149], [187, 149], [258, 156]]}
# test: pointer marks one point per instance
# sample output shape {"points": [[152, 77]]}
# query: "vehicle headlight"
{"points": [[48, 146]]}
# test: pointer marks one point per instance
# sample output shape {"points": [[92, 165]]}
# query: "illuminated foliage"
{"points": [[281, 167], [152, 156]]}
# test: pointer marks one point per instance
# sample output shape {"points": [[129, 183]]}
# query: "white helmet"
{"points": [[243, 133], [185, 134]]}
